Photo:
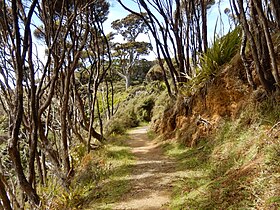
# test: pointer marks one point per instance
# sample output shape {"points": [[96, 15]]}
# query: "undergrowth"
{"points": [[136, 108], [236, 167], [97, 182]]}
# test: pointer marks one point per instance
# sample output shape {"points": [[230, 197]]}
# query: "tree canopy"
{"points": [[127, 54]]}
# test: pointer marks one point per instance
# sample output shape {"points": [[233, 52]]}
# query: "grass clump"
{"points": [[115, 185], [222, 51]]}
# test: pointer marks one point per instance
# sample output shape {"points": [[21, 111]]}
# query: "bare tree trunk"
{"points": [[74, 128], [242, 18], [178, 27], [34, 117], [13, 199], [204, 24], [39, 167], [245, 62], [276, 11], [64, 124], [3, 195], [165, 79], [272, 55], [92, 105], [19, 58], [127, 81], [99, 117], [86, 126], [112, 95], [24, 184], [44, 168], [108, 101]]}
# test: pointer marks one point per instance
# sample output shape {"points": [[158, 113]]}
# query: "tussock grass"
{"points": [[222, 51]]}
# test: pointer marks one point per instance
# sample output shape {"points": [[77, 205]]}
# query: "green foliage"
{"points": [[222, 51], [162, 103], [130, 26], [3, 124], [126, 56], [140, 71], [144, 109], [155, 73], [78, 152], [118, 125], [91, 170], [138, 107]]}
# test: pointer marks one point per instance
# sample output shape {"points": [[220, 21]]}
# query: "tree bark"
{"points": [[242, 18], [276, 11], [265, 27], [127, 81], [3, 195], [34, 101], [64, 124], [39, 166], [20, 55], [204, 24], [178, 26], [245, 62], [86, 126]]}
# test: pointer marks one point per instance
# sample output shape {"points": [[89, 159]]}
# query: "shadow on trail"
{"points": [[151, 177]]}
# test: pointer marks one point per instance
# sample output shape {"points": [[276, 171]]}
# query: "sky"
{"points": [[118, 12]]}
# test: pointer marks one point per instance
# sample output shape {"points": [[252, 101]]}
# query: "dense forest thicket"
{"points": [[61, 105]]}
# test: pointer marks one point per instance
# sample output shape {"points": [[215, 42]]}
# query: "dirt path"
{"points": [[152, 175]]}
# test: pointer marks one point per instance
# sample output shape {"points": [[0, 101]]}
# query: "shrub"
{"points": [[121, 122], [144, 109], [136, 108], [154, 74], [4, 124], [222, 51]]}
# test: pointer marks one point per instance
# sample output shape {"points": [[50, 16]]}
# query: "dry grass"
{"points": [[235, 167]]}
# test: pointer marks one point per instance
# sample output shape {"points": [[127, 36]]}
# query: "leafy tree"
{"points": [[126, 57], [141, 69], [130, 27], [176, 29], [127, 54]]}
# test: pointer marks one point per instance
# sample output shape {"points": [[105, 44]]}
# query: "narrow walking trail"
{"points": [[152, 175]]}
